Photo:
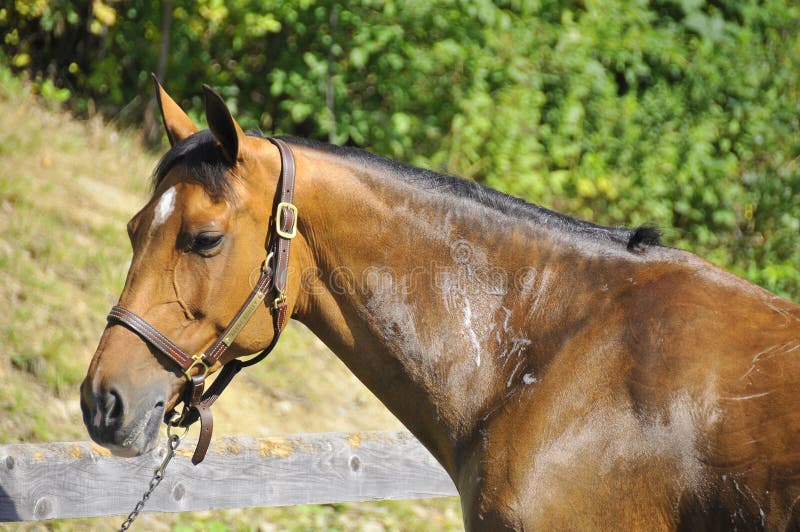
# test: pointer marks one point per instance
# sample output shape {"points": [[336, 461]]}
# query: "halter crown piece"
{"points": [[274, 272]]}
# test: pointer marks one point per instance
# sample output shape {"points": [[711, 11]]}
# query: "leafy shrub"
{"points": [[679, 113]]}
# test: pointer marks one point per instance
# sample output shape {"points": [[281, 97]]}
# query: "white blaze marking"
{"points": [[164, 207]]}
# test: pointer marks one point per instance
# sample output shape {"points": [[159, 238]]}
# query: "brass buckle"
{"points": [[199, 360], [293, 231], [278, 300]]}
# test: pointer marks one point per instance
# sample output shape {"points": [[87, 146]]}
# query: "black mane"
{"points": [[208, 167], [635, 240]]}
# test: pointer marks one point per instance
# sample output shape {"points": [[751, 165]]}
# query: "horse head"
{"points": [[198, 247]]}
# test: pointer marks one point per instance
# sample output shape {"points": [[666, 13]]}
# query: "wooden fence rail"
{"points": [[63, 480]]}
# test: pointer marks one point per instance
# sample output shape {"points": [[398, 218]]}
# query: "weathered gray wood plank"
{"points": [[62, 480]]}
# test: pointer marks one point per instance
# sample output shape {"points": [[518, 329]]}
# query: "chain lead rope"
{"points": [[172, 445]]}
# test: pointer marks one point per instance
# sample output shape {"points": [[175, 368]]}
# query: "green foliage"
{"points": [[679, 113]]}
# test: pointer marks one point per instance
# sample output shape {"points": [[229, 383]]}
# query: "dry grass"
{"points": [[66, 190]]}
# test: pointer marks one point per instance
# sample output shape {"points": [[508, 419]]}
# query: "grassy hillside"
{"points": [[67, 189]]}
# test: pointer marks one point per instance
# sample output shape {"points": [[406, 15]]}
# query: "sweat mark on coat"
{"points": [[781, 349], [471, 332], [512, 346], [621, 437]]}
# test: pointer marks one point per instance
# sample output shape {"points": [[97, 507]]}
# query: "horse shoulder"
{"points": [[535, 468], [733, 350]]}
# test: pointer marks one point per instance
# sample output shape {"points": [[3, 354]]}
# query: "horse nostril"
{"points": [[114, 408]]}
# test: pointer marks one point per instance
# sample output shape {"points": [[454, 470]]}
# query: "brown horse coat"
{"points": [[568, 376]]}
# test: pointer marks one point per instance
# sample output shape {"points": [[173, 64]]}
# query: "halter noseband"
{"points": [[274, 273]]}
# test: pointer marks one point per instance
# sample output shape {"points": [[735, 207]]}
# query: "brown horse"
{"points": [[566, 375]]}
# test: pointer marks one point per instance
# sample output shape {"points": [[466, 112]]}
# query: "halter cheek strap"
{"points": [[273, 280]]}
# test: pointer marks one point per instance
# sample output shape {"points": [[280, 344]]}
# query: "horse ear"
{"points": [[222, 125], [177, 123]]}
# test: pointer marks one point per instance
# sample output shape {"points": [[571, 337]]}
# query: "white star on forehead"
{"points": [[164, 207]]}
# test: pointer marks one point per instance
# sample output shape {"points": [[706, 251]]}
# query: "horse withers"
{"points": [[566, 375]]}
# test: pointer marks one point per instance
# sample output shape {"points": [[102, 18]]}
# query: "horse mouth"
{"points": [[125, 453], [139, 438]]}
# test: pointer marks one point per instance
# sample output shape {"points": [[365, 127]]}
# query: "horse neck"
{"points": [[436, 304]]}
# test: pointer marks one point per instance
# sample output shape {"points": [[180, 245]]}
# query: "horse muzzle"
{"points": [[125, 428]]}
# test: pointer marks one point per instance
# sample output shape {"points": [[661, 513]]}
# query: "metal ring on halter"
{"points": [[200, 362], [266, 266], [172, 422], [170, 434]]}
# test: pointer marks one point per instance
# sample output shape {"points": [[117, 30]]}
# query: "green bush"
{"points": [[679, 113]]}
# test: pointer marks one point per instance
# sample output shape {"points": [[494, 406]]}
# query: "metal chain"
{"points": [[172, 444]]}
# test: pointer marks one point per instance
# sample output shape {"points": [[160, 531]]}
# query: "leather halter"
{"points": [[274, 273]]}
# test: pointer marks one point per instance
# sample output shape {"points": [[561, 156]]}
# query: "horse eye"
{"points": [[206, 242]]}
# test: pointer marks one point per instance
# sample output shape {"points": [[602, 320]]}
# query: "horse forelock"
{"points": [[205, 162]]}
